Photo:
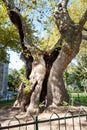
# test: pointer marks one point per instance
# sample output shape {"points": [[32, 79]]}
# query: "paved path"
{"points": [[7, 113]]}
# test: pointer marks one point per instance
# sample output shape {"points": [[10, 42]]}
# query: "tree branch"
{"points": [[84, 37], [11, 40], [83, 20], [19, 22], [62, 19], [63, 2], [84, 28]]}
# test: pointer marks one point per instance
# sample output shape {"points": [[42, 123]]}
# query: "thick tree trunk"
{"points": [[56, 92], [45, 71], [71, 38], [36, 78]]}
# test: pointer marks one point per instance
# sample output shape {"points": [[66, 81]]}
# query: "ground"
{"points": [[8, 112]]}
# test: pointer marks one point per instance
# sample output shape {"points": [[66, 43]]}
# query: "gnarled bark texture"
{"points": [[45, 72]]}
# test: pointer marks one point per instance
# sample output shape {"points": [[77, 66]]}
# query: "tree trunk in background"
{"points": [[45, 71]]}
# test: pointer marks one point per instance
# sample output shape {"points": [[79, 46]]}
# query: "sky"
{"points": [[15, 62]]}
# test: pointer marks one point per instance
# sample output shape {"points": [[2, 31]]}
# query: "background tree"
{"points": [[75, 74], [13, 80], [45, 69], [81, 70]]}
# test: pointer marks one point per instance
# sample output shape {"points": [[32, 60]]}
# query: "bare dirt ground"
{"points": [[7, 113]]}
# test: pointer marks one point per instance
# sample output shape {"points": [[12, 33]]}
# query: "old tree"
{"points": [[44, 69]]}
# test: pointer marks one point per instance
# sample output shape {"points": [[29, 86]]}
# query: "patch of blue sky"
{"points": [[15, 62]]}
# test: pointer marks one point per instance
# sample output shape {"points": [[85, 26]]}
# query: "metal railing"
{"points": [[66, 122]]}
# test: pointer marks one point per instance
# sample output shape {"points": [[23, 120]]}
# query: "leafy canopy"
{"points": [[39, 17]]}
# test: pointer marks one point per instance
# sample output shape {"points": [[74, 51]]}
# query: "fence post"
{"points": [[36, 123]]}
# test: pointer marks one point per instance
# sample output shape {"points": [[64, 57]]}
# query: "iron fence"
{"points": [[69, 121]]}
